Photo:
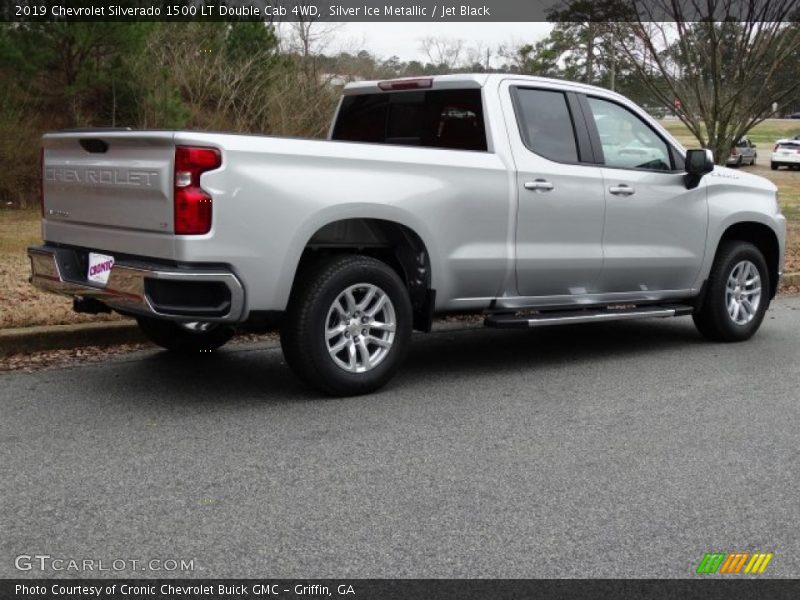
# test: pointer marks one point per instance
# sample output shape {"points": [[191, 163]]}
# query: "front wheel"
{"points": [[347, 326], [737, 294], [196, 336], [773, 166]]}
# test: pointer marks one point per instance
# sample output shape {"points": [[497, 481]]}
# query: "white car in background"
{"points": [[786, 153]]}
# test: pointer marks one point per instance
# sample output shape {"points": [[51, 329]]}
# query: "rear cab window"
{"points": [[451, 119]]}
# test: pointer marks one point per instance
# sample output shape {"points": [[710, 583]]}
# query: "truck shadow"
{"points": [[241, 374], [493, 350]]}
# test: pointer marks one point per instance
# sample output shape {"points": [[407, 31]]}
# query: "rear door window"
{"points": [[546, 124], [432, 119]]}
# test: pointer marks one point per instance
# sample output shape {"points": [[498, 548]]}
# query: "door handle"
{"points": [[539, 185], [622, 190]]}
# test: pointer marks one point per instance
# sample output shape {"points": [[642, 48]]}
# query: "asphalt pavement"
{"points": [[608, 450]]}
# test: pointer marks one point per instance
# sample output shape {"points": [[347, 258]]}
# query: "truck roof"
{"points": [[461, 81]]}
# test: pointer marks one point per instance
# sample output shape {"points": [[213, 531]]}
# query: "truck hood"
{"points": [[739, 178]]}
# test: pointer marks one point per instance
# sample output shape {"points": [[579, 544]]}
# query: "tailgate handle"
{"points": [[94, 145]]}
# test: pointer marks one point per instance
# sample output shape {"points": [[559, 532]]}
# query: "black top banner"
{"points": [[400, 10], [397, 589]]}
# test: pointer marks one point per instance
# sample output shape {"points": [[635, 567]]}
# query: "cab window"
{"points": [[434, 119], [627, 142], [545, 124]]}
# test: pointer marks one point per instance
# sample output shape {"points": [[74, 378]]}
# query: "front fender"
{"points": [[717, 229]]}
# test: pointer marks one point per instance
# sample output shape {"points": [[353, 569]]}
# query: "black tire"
{"points": [[185, 338], [773, 166], [753, 161], [303, 339], [713, 319]]}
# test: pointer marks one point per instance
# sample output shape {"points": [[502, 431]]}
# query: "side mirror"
{"points": [[753, 146], [698, 163]]}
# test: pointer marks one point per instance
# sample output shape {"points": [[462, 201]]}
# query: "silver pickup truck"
{"points": [[533, 201]]}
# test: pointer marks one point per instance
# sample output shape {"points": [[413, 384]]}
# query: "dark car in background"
{"points": [[742, 153]]}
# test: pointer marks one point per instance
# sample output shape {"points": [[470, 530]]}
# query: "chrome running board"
{"points": [[565, 317]]}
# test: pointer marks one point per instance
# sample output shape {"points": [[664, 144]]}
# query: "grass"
{"points": [[22, 305], [762, 135], [18, 230]]}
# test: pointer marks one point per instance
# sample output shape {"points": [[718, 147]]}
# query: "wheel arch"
{"points": [[395, 243], [762, 237]]}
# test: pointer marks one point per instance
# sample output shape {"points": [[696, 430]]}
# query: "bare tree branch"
{"points": [[721, 59]]}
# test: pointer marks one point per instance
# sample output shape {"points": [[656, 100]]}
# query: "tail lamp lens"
{"points": [[193, 205]]}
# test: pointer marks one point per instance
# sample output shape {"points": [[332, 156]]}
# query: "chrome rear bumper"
{"points": [[57, 270]]}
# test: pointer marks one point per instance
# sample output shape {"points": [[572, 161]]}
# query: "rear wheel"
{"points": [[737, 294], [348, 325], [185, 337], [773, 166]]}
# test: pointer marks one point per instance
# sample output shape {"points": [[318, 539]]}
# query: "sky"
{"points": [[403, 39]]}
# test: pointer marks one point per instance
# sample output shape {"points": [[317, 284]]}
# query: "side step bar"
{"points": [[565, 317]]}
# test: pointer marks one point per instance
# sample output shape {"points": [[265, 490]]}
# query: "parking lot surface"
{"points": [[609, 450]]}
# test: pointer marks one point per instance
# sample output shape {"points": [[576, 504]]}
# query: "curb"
{"points": [[59, 337], [790, 279], [79, 335]]}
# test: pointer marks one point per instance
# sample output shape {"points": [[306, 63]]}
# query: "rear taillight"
{"points": [[41, 180], [193, 204]]}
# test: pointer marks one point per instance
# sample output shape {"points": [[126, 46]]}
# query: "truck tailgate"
{"points": [[119, 179]]}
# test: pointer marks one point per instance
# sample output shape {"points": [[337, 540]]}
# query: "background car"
{"points": [[742, 153], [786, 153]]}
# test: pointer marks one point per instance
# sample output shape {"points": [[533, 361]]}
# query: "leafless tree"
{"points": [[720, 63], [478, 54], [303, 101], [442, 52]]}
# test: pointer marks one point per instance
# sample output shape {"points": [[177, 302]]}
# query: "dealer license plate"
{"points": [[99, 267]]}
